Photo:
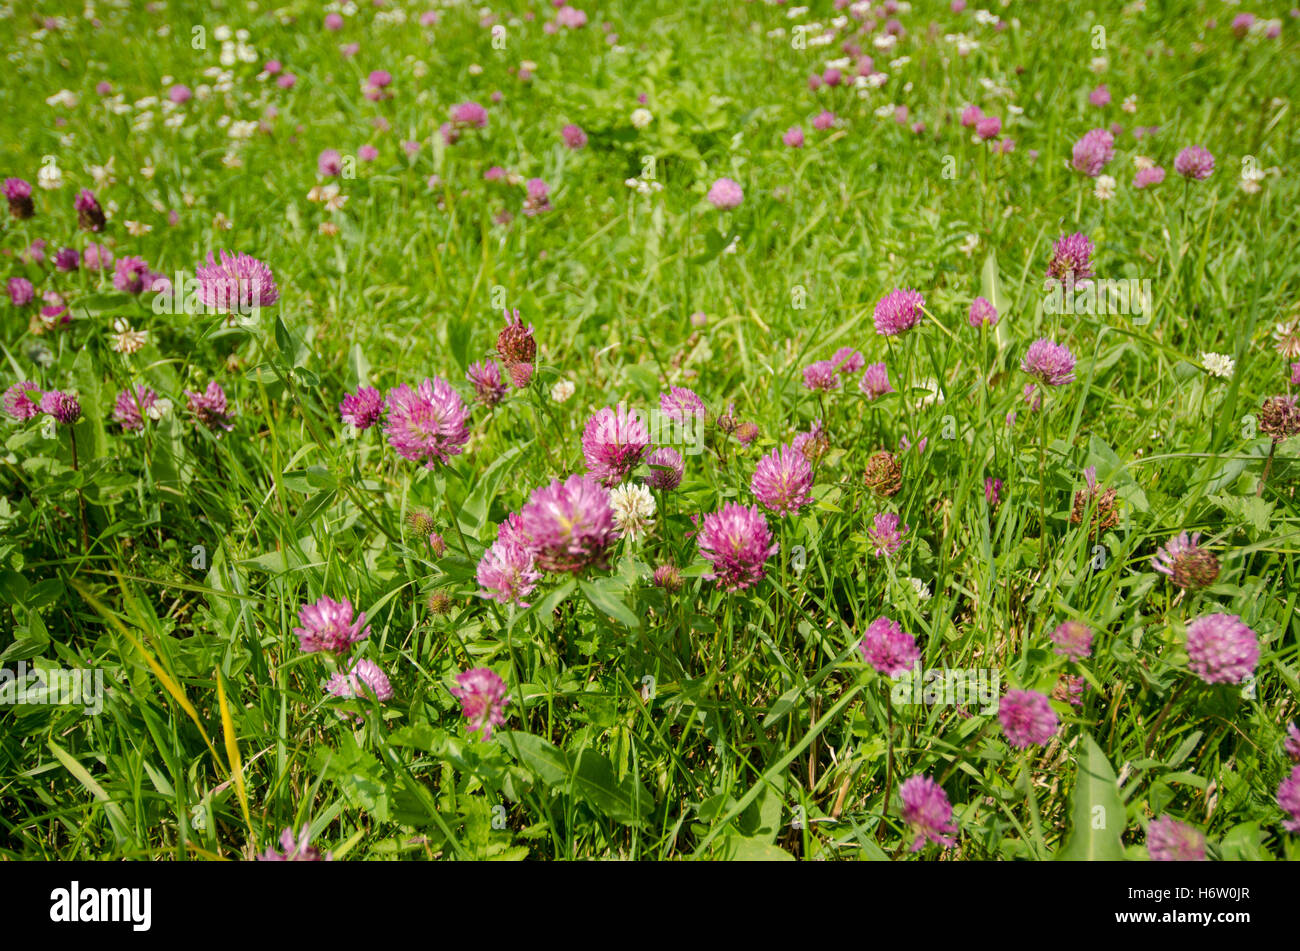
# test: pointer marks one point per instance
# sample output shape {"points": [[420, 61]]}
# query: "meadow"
{"points": [[649, 431]]}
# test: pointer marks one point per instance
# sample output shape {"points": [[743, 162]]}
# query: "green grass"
{"points": [[762, 733]]}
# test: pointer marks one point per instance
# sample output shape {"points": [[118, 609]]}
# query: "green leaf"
{"points": [[1097, 809], [739, 848], [781, 706], [486, 486], [594, 782], [991, 290], [312, 508], [544, 758], [459, 340], [1241, 844], [606, 602], [95, 304]]}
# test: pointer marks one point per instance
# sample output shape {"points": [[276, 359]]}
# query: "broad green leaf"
{"points": [[739, 848], [1241, 844], [605, 601], [1096, 809], [594, 782], [548, 761]]}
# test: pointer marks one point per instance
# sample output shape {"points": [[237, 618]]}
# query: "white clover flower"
{"points": [[1130, 104], [969, 244], [137, 229], [1105, 189], [1251, 176], [1141, 161], [643, 186], [885, 111], [641, 118], [562, 390], [126, 340], [222, 33], [1218, 364], [634, 509], [885, 42], [1099, 64], [920, 587]]}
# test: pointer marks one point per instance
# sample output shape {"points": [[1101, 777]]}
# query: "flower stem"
{"points": [[889, 759], [81, 499], [1268, 467]]}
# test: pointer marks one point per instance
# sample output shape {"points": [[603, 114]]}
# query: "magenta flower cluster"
{"points": [[888, 648], [483, 698], [427, 423], [737, 543]]}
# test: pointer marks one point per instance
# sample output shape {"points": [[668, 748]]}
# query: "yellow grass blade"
{"points": [[232, 751], [170, 685]]}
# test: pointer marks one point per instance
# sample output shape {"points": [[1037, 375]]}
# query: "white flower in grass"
{"points": [[1105, 189], [634, 509], [562, 390], [103, 174], [1218, 364], [919, 586], [641, 118]]}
